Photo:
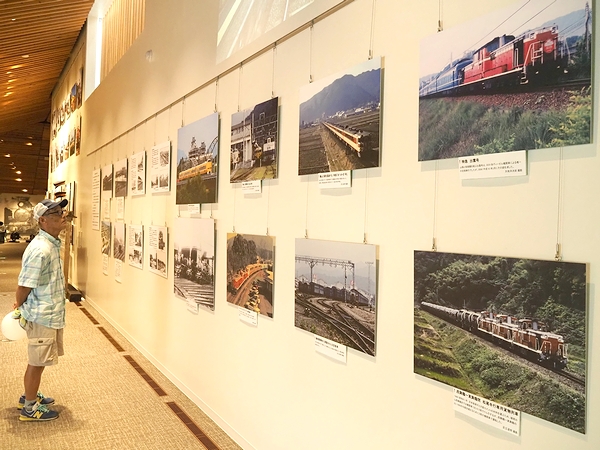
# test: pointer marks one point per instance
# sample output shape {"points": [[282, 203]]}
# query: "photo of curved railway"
{"points": [[517, 79], [339, 121], [506, 329], [250, 274], [197, 161], [336, 287]]}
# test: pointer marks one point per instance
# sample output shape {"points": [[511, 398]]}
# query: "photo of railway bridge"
{"points": [[197, 161], [250, 274], [516, 79], [194, 261], [339, 121], [507, 329], [336, 287]]}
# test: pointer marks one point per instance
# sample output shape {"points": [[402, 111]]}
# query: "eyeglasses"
{"points": [[58, 213]]}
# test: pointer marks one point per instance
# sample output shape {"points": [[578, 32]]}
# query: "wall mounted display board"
{"points": [[107, 181], [160, 168], [517, 79], [120, 178], [254, 142], [510, 330], [194, 260], [137, 174], [250, 274], [135, 246], [336, 287], [157, 250], [197, 161], [339, 121]]}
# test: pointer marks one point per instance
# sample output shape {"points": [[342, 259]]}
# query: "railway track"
{"points": [[343, 323]]}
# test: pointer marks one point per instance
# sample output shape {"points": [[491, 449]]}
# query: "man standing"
{"points": [[40, 298]]}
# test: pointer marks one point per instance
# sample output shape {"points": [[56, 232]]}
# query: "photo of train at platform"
{"points": [[525, 337]]}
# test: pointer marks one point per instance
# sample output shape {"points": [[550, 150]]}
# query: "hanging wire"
{"points": [[273, 74], [240, 87], [234, 199], [155, 122], [216, 102], [558, 254], [366, 197], [372, 37], [306, 212], [440, 20], [268, 206], [169, 124], [310, 49], [435, 196]]}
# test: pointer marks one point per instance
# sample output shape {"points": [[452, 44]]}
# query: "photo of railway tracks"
{"points": [[194, 261], [250, 274], [517, 79], [336, 287], [105, 236], [339, 121], [119, 241], [197, 161], [507, 329]]}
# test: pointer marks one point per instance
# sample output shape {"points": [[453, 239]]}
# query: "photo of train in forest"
{"points": [[507, 329], [517, 79]]}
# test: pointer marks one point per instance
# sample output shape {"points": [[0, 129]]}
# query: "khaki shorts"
{"points": [[45, 344]]}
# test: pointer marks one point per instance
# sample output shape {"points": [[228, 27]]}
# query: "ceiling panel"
{"points": [[36, 39]]}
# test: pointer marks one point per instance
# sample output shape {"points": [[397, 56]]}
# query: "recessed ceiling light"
{"points": [[18, 172], [28, 143], [10, 81], [24, 190], [7, 155], [8, 93], [16, 66], [13, 20], [8, 73], [18, 179], [25, 56]]}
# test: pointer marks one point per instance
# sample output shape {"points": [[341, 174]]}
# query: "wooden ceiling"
{"points": [[36, 39]]}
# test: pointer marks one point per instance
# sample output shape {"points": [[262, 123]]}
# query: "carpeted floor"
{"points": [[108, 395]]}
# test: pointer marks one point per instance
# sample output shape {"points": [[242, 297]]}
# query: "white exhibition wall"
{"points": [[266, 386]]}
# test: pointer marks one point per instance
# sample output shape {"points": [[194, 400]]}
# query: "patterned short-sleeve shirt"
{"points": [[42, 272]]}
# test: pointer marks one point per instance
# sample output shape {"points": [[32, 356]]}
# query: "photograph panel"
{"points": [[336, 285], [194, 261], [339, 121], [516, 79], [250, 274], [197, 161], [507, 329], [254, 145]]}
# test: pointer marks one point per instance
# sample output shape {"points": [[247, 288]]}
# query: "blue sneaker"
{"points": [[38, 413], [40, 398]]}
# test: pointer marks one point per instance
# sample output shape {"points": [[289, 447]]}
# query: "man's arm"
{"points": [[22, 293]]}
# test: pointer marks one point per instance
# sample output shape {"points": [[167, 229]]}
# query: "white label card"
{"points": [[488, 412], [251, 187], [330, 348], [120, 208], [494, 165], [335, 180], [192, 306], [250, 317], [194, 208]]}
